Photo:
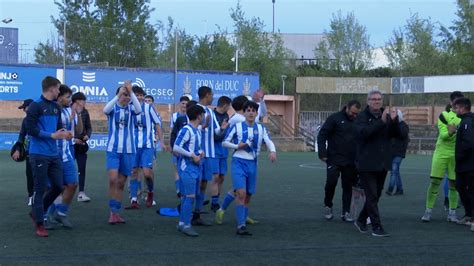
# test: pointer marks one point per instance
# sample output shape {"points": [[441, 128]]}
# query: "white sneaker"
{"points": [[427, 216], [328, 213], [82, 197], [452, 217], [154, 203], [346, 217], [30, 201]]}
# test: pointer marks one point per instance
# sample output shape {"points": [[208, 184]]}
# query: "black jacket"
{"points": [[465, 144], [220, 118], [400, 143], [179, 124], [87, 127], [373, 142], [340, 134]]}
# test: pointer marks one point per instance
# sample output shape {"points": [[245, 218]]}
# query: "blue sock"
{"points": [[446, 187], [246, 212], [187, 210], [181, 216], [215, 199], [62, 209], [149, 184], [51, 209], [227, 201], [114, 205], [199, 202], [133, 188], [240, 215], [176, 185]]}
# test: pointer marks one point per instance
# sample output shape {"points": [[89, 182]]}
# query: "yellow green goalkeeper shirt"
{"points": [[445, 143]]}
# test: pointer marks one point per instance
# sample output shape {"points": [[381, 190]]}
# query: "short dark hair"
{"points": [[118, 90], [138, 90], [184, 98], [49, 82], [238, 102], [250, 104], [355, 103], [463, 102], [455, 94], [223, 100], [150, 97], [64, 89], [78, 96], [203, 91], [191, 104], [194, 111]]}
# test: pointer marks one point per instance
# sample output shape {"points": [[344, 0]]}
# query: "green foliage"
{"points": [[117, 32], [347, 44]]}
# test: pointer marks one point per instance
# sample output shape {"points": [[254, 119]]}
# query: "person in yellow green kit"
{"points": [[444, 161]]}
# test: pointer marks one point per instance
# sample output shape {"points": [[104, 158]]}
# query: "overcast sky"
{"points": [[199, 17]]}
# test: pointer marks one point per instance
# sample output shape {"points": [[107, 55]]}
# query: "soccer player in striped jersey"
{"points": [[188, 146], [238, 117], [220, 162], [146, 123], [175, 117], [70, 121], [209, 128], [246, 138], [121, 145]]}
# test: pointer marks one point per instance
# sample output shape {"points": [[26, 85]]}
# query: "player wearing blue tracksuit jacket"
{"points": [[43, 122]]}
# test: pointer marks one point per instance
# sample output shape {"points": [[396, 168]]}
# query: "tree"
{"points": [[459, 38], [213, 53], [259, 51], [413, 49], [49, 53], [117, 32], [347, 46], [166, 49]]}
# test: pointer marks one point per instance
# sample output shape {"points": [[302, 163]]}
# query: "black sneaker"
{"points": [[378, 231], [215, 207], [206, 202], [388, 192], [362, 227], [196, 220], [242, 231]]}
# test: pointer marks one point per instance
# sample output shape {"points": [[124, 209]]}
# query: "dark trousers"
{"points": [[45, 168], [372, 183], [348, 179], [465, 188], [81, 159], [29, 177]]}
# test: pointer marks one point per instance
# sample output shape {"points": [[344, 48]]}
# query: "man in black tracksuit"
{"points": [[375, 127], [339, 133], [464, 154]]}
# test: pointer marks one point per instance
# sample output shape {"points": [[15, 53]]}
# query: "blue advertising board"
{"points": [[222, 84], [99, 85], [19, 83], [97, 142]]}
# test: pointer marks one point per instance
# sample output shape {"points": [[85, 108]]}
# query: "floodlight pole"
{"points": [[64, 52], [273, 2]]}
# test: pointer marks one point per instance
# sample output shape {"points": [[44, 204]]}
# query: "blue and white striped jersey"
{"points": [[254, 136], [208, 133], [145, 126], [66, 147], [187, 143], [174, 117], [121, 128]]}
